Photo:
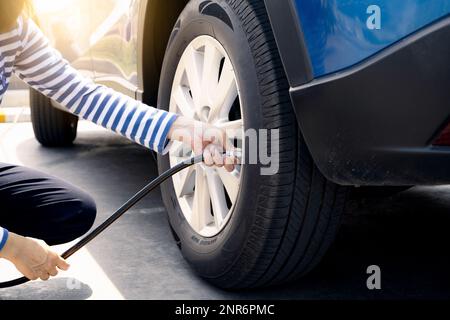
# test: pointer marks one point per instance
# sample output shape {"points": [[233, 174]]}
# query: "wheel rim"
{"points": [[205, 88]]}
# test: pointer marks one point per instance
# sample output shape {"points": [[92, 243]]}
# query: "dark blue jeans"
{"points": [[34, 204]]}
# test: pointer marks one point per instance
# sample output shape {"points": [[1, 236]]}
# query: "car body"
{"points": [[372, 102], [327, 50], [358, 89]]}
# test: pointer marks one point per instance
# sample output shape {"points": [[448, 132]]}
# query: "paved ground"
{"points": [[406, 235]]}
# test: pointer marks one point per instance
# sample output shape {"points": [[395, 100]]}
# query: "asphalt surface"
{"points": [[407, 235]]}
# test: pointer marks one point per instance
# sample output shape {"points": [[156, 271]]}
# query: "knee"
{"points": [[69, 220], [80, 216], [87, 212]]}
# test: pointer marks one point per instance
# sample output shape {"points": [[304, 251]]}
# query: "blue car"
{"points": [[358, 92]]}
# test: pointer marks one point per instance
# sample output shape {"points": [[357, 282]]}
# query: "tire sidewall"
{"points": [[213, 256]]}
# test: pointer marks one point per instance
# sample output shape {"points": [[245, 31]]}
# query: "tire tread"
{"points": [[299, 211]]}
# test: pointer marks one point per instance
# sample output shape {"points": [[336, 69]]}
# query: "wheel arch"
{"points": [[156, 21]]}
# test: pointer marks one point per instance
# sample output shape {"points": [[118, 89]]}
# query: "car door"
{"points": [[66, 23], [114, 44]]}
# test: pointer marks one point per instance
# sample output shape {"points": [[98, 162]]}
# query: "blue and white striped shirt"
{"points": [[26, 52]]}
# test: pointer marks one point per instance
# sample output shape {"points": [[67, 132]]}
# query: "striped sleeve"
{"points": [[44, 69], [3, 238]]}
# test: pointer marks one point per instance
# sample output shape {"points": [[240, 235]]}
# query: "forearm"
{"points": [[4, 235], [43, 68], [121, 114], [8, 249]]}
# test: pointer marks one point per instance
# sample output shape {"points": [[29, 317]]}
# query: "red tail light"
{"points": [[444, 138]]}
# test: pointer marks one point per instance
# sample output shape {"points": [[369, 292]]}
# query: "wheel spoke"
{"points": [[226, 92], [184, 102], [211, 66], [176, 149], [231, 183], [201, 207], [218, 199], [186, 183], [193, 72], [234, 129]]}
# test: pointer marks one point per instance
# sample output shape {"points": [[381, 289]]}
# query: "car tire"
{"points": [[282, 224], [52, 127]]}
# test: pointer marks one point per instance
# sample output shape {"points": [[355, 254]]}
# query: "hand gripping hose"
{"points": [[120, 212]]}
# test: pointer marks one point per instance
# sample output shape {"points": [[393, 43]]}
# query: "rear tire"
{"points": [[52, 127], [283, 224]]}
